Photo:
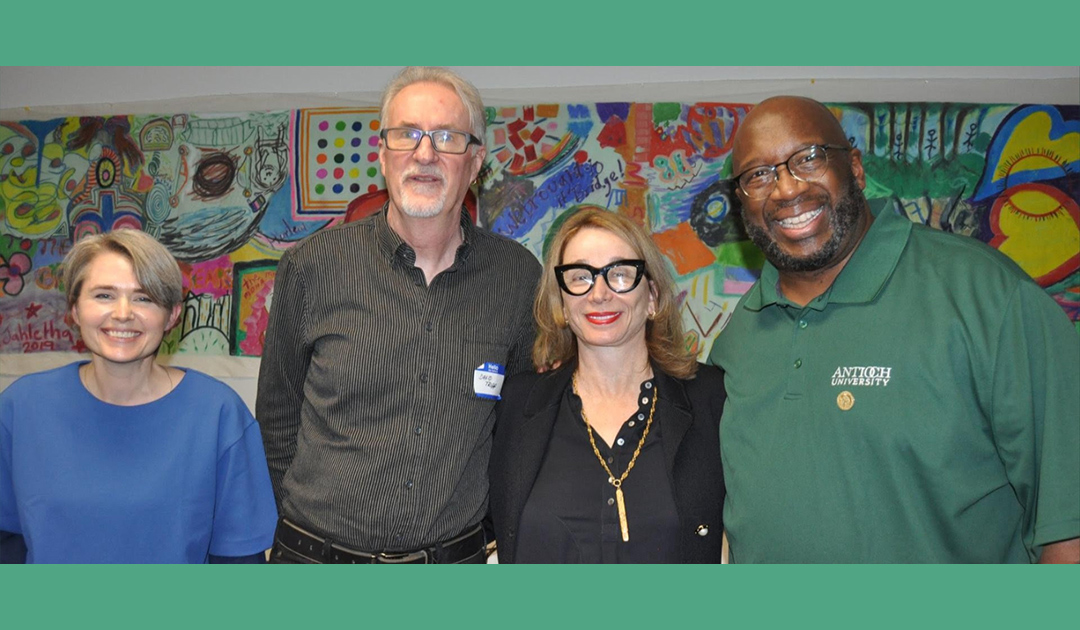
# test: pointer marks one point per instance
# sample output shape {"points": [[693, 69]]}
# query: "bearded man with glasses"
{"points": [[388, 342], [895, 393]]}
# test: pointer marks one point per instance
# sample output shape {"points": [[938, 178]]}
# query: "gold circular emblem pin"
{"points": [[845, 400]]}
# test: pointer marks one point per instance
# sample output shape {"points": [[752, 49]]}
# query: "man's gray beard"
{"points": [[423, 211], [842, 219]]}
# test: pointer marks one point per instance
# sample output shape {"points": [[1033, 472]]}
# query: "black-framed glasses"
{"points": [[622, 276], [805, 165], [443, 140]]}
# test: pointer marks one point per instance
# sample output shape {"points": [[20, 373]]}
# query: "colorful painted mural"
{"points": [[227, 194]]}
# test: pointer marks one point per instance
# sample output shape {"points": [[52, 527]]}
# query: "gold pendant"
{"points": [[622, 515]]}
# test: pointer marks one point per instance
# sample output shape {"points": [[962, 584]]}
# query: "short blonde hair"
{"points": [[556, 343], [467, 92], [155, 268]]}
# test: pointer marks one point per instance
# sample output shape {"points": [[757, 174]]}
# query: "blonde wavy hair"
{"points": [[555, 341]]}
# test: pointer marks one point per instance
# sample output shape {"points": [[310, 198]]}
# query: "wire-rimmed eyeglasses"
{"points": [[806, 165], [442, 140], [621, 276]]}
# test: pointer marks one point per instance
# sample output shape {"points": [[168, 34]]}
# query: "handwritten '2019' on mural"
{"points": [[227, 194]]}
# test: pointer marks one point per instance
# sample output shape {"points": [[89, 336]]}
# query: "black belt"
{"points": [[460, 547]]}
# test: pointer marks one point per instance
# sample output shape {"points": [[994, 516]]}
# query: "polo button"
{"points": [[798, 363], [702, 530], [802, 323]]}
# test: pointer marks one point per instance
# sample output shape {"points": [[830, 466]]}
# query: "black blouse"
{"points": [[571, 514]]}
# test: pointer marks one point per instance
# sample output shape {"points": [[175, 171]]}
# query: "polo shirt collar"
{"points": [[394, 248], [864, 275]]}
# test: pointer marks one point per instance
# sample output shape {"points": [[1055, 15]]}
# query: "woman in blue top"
{"points": [[121, 459]]}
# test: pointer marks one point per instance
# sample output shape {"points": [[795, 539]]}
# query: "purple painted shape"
{"points": [[604, 111]]}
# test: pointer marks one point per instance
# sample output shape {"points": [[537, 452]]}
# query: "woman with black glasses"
{"points": [[614, 456]]}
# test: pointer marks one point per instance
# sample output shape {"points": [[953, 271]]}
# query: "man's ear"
{"points": [[857, 168], [478, 162]]}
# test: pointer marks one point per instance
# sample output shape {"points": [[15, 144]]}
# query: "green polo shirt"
{"points": [[926, 408]]}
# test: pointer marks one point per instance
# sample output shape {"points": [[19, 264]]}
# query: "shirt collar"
{"points": [[393, 247], [864, 275]]}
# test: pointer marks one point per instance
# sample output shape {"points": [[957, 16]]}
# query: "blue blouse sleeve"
{"points": [[245, 514]]}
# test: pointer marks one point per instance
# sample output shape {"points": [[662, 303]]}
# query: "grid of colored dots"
{"points": [[340, 134]]}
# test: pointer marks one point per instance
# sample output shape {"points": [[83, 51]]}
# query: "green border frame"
{"points": [[65, 32]]}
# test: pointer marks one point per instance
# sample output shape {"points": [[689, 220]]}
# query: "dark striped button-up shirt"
{"points": [[373, 432]]}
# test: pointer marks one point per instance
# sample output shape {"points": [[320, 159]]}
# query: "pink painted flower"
{"points": [[12, 271]]}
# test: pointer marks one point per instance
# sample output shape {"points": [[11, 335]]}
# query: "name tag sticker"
{"points": [[487, 381]]}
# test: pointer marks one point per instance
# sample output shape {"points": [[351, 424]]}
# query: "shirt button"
{"points": [[648, 385], [429, 326], [418, 430], [802, 323], [798, 363], [641, 416], [631, 423], [408, 484], [423, 378], [611, 460], [620, 441], [645, 400], [611, 501]]}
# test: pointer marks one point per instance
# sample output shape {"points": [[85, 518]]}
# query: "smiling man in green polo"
{"points": [[895, 393]]}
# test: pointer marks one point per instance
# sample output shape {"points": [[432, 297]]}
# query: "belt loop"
{"points": [[437, 554], [326, 549]]}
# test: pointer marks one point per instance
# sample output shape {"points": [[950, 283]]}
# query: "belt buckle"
{"points": [[403, 558]]}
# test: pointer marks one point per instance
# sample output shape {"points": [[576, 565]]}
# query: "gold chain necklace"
{"points": [[611, 476]]}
